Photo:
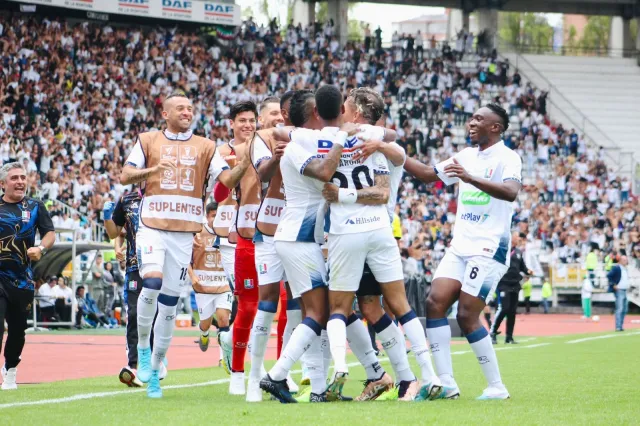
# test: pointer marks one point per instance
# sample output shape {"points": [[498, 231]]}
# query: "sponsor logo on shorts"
{"points": [[170, 317], [483, 360], [389, 344], [362, 220], [475, 198], [262, 269], [471, 217], [248, 284]]}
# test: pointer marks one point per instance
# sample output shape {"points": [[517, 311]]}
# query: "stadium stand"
{"points": [[74, 96]]}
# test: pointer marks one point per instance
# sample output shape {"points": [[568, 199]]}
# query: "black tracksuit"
{"points": [[508, 290]]}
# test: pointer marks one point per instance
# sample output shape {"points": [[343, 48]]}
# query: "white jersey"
{"points": [[302, 218], [355, 218], [395, 176], [483, 223]]}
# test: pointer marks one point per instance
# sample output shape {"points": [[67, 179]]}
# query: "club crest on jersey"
{"points": [[133, 285], [26, 216], [488, 173], [148, 250], [324, 146], [263, 269], [248, 284]]}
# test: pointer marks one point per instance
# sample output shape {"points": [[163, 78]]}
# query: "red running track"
{"points": [[82, 356]]}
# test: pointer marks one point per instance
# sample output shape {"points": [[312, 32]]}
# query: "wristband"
{"points": [[347, 196], [341, 138]]}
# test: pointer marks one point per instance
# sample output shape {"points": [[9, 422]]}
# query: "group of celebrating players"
{"points": [[308, 201]]}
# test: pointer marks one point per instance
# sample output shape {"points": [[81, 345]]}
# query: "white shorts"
{"points": [[349, 252], [208, 303], [165, 252], [268, 264], [303, 264], [228, 255], [479, 275]]}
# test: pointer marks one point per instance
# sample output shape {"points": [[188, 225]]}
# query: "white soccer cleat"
{"points": [[494, 392], [293, 387], [254, 393], [163, 369], [9, 378], [236, 384]]}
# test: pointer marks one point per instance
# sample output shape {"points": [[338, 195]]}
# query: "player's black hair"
{"points": [[500, 112], [211, 207], [300, 109], [175, 94], [286, 97], [243, 106], [329, 102], [269, 100], [368, 102]]}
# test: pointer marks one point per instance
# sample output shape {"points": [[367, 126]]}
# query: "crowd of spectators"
{"points": [[74, 96]]}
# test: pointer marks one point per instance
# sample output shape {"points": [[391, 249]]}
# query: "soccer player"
{"points": [[489, 181], [119, 216], [266, 153], [178, 170], [209, 281], [299, 233], [364, 105]]}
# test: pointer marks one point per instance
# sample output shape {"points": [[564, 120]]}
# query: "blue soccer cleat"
{"points": [[144, 364], [277, 388], [153, 387]]}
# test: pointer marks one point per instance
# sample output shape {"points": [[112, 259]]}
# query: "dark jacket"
{"points": [[614, 276], [511, 280]]}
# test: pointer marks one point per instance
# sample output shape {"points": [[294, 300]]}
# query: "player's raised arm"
{"points": [[324, 168], [506, 190], [423, 172], [231, 178], [390, 150], [266, 163]]}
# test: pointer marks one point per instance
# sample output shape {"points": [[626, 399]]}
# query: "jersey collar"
{"points": [[179, 136], [490, 150]]}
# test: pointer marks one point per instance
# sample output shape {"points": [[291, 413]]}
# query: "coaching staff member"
{"points": [[20, 218], [509, 288]]}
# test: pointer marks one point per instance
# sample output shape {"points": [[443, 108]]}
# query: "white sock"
{"points": [[392, 341], [360, 344], [337, 332], [415, 334], [147, 305], [485, 353], [439, 334], [259, 337], [294, 318], [299, 343], [162, 333], [326, 353], [315, 366]]}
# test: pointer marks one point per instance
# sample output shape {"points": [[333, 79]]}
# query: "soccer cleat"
{"points": [[293, 388], [204, 342], [510, 341], [277, 388], [153, 387], [128, 377], [304, 395], [9, 378], [374, 388], [408, 390], [494, 339], [318, 397], [227, 350], [449, 392], [306, 381], [389, 395], [144, 364], [254, 393], [494, 392], [236, 384], [429, 390], [163, 369], [334, 389]]}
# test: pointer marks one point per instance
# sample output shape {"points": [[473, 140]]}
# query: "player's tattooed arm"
{"points": [[131, 175], [324, 168], [421, 171], [372, 196]]}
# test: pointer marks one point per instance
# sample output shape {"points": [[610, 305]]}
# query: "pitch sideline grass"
{"points": [[551, 382]]}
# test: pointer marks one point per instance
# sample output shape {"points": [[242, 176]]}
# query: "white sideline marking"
{"points": [[80, 397], [606, 336], [115, 393]]}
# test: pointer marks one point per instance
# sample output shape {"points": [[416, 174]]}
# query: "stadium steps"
{"points": [[596, 96]]}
